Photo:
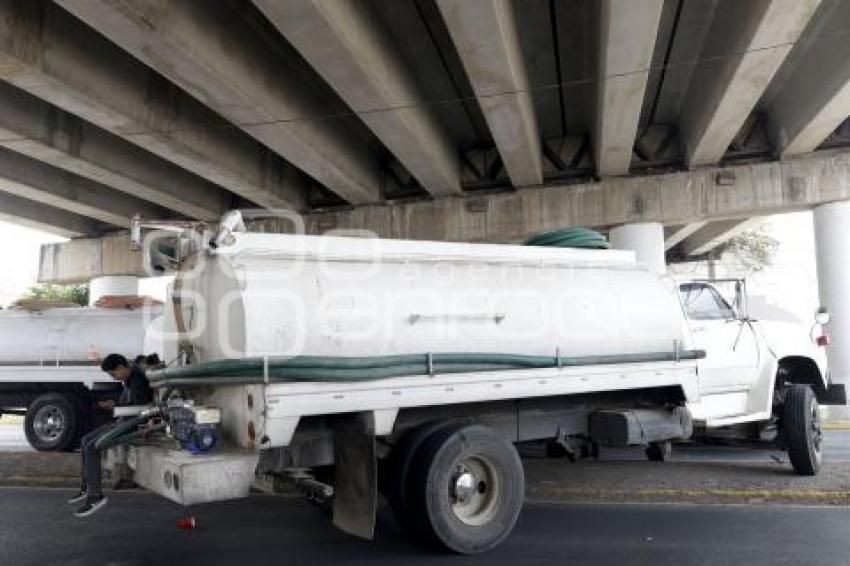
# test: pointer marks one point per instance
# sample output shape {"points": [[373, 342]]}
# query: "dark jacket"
{"points": [[136, 390]]}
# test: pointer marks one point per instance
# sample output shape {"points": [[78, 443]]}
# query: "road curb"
{"points": [[54, 481], [704, 496]]}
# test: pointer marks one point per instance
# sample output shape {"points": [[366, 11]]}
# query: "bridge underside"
{"points": [[445, 119]]}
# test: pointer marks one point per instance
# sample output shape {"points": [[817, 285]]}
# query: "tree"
{"points": [[754, 248], [78, 294]]}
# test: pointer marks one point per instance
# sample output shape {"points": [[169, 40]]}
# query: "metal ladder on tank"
{"points": [[53, 345]]}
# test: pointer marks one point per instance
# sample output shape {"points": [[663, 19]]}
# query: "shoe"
{"points": [[91, 505], [79, 498]]}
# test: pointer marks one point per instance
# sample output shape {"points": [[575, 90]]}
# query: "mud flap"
{"points": [[355, 497], [835, 395]]}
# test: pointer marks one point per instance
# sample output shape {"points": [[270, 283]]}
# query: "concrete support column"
{"points": [[645, 239], [112, 285], [832, 235]]}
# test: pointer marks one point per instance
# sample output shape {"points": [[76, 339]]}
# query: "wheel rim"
{"points": [[816, 431], [49, 423], [474, 488]]}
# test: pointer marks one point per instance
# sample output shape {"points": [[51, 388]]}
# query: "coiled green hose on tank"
{"points": [[570, 238]]}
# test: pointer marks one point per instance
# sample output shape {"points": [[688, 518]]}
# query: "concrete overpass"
{"points": [[671, 123], [349, 110]]}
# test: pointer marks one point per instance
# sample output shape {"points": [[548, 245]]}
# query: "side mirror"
{"points": [[740, 307], [822, 316]]}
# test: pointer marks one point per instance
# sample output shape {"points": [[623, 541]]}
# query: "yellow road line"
{"points": [[748, 493], [740, 493]]}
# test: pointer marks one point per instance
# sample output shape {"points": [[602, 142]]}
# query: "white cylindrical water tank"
{"points": [[112, 285], [71, 336], [645, 239], [272, 294]]}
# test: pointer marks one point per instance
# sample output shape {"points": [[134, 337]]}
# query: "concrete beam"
{"points": [[44, 132], [352, 51], [689, 37], [675, 234], [83, 259], [739, 191], [674, 199], [243, 80], [485, 35], [626, 43], [713, 235], [32, 214], [25, 177], [747, 43], [815, 99], [49, 53]]}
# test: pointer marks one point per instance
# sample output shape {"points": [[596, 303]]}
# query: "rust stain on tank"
{"points": [[252, 434]]}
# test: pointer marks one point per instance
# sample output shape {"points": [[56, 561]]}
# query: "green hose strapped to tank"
{"points": [[356, 369], [124, 431], [570, 238]]}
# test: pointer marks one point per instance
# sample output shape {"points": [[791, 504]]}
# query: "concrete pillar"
{"points": [[645, 239], [832, 235], [112, 285]]}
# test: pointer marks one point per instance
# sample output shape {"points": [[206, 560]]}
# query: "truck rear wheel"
{"points": [[52, 423], [801, 428], [466, 489], [395, 475]]}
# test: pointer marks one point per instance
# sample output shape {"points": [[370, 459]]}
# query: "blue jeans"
{"points": [[90, 455]]}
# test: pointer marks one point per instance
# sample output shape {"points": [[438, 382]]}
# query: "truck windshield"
{"points": [[703, 302]]}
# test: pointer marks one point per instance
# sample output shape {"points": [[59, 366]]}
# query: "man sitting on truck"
{"points": [[135, 390]]}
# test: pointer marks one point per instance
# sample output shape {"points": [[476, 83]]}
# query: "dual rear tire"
{"points": [[459, 486]]}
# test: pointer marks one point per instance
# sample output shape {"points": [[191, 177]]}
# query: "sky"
{"points": [[19, 253], [790, 282]]}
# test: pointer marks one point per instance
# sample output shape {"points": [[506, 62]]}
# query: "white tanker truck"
{"points": [[414, 368], [50, 366]]}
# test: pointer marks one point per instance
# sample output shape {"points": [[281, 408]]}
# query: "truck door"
{"points": [[732, 350]]}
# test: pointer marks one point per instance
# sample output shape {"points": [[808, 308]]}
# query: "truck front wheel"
{"points": [[466, 489], [52, 423], [801, 429]]}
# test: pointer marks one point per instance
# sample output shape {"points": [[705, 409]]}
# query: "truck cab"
{"points": [[752, 368]]}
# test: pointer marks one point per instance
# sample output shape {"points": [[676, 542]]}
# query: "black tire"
{"points": [[395, 474], [658, 451], [475, 459], [801, 429], [53, 423]]}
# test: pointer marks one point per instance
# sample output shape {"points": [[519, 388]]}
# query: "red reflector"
{"points": [[186, 523], [822, 340]]}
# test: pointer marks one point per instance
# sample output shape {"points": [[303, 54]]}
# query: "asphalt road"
{"points": [[37, 528]]}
